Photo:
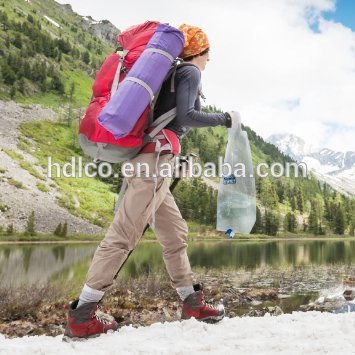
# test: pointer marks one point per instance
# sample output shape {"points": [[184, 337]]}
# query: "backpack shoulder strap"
{"points": [[154, 101], [159, 123], [178, 66]]}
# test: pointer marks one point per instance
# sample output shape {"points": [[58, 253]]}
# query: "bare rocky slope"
{"points": [[16, 204]]}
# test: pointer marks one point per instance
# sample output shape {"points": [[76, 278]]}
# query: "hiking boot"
{"points": [[87, 321], [195, 306]]}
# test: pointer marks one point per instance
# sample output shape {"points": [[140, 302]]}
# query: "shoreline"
{"points": [[73, 241]]}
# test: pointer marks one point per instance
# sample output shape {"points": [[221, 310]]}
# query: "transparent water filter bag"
{"points": [[236, 202]]}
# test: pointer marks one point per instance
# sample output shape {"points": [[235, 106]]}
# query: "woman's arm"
{"points": [[186, 95]]}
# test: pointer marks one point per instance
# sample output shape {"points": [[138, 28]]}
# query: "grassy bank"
{"points": [[196, 233], [84, 197]]}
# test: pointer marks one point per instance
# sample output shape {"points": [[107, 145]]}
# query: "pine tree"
{"points": [[71, 95], [44, 86], [8, 74], [27, 71], [64, 230], [352, 229], [258, 226], [268, 195], [30, 18], [64, 46], [271, 223], [86, 57], [57, 84], [280, 189], [10, 229], [300, 200], [293, 203], [17, 41], [313, 222], [4, 20], [58, 230], [290, 222], [30, 227], [339, 221], [22, 86], [12, 91]]}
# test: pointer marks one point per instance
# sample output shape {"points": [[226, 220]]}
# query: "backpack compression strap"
{"points": [[116, 79]]}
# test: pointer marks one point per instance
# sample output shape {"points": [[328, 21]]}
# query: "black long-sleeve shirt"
{"points": [[186, 99]]}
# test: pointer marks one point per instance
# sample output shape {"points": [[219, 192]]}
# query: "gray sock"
{"points": [[89, 294], [185, 292]]}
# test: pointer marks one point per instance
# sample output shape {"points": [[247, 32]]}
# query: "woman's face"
{"points": [[201, 61]]}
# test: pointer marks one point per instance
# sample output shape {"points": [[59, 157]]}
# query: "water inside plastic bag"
{"points": [[236, 202]]}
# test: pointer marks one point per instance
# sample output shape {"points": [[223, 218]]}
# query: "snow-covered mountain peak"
{"points": [[334, 167]]}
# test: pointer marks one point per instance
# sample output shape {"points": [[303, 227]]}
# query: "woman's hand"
{"points": [[233, 119]]}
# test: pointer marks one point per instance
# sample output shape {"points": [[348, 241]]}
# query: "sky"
{"points": [[288, 66]]}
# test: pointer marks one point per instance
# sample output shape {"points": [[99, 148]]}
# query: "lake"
{"points": [[302, 269]]}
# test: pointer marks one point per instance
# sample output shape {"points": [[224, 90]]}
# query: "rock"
{"points": [[349, 281], [166, 313], [278, 311], [281, 296], [263, 294], [349, 295], [256, 303], [329, 305], [255, 313], [103, 30], [216, 297]]}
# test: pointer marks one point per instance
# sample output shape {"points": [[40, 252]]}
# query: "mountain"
{"points": [[294, 147], [104, 30], [335, 168]]}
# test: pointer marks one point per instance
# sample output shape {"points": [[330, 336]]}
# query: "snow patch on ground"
{"points": [[92, 22], [56, 24], [297, 333]]}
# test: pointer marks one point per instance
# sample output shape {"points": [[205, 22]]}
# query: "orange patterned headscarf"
{"points": [[196, 41]]}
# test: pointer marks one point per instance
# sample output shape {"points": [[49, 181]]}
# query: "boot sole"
{"points": [[213, 320], [209, 320], [69, 339]]}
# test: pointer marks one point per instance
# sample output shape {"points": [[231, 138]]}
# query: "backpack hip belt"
{"points": [[166, 141]]}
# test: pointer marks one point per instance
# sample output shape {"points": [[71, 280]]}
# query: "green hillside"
{"points": [[54, 66], [43, 63]]}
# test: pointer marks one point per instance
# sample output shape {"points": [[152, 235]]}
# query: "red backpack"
{"points": [[94, 139]]}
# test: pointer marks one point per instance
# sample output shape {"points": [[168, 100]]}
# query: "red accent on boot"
{"points": [[195, 306], [88, 321]]}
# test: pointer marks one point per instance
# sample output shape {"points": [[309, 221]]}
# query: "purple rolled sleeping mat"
{"points": [[143, 81]]}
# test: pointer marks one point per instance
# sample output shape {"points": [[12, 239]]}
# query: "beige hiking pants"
{"points": [[134, 212]]}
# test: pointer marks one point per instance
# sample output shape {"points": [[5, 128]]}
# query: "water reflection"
{"points": [[28, 264], [33, 263]]}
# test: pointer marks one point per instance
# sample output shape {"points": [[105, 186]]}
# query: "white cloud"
{"points": [[266, 61]]}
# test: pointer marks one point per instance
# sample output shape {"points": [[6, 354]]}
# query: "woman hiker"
{"points": [[149, 200]]}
